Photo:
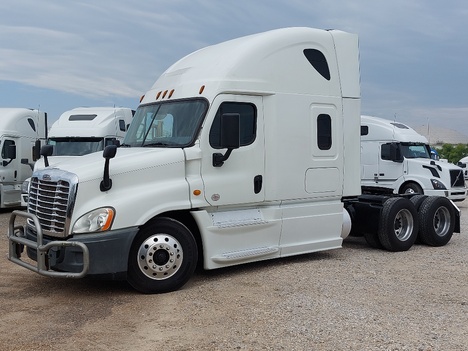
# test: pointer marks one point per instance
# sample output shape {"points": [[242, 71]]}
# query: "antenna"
{"points": [[428, 135]]}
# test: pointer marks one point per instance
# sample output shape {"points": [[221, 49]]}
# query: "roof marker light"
{"points": [[170, 93], [141, 98], [157, 95], [201, 89], [164, 94]]}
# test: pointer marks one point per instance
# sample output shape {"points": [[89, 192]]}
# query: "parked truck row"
{"points": [[242, 151], [22, 133], [394, 156], [79, 132]]}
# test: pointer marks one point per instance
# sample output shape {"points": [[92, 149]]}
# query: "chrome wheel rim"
{"points": [[441, 221], [403, 225], [160, 256]]}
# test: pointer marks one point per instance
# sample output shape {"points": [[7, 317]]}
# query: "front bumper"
{"points": [[81, 255], [453, 194]]}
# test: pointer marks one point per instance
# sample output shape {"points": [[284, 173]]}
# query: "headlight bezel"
{"points": [[25, 186], [438, 185], [95, 221]]}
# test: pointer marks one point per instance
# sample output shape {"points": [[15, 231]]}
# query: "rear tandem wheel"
{"points": [[437, 218], [398, 226]]}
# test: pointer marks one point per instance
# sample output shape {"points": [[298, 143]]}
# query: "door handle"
{"points": [[258, 182]]}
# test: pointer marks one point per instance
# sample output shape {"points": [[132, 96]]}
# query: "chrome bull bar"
{"points": [[17, 241]]}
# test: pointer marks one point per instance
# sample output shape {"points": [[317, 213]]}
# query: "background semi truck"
{"points": [[394, 156], [22, 131], [243, 151], [82, 131]]}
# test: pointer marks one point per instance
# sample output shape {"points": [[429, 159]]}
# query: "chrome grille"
{"points": [[456, 178], [51, 197]]}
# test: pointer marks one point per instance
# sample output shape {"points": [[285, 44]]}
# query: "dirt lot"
{"points": [[356, 298]]}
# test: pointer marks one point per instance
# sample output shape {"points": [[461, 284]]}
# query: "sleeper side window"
{"points": [[324, 132], [248, 122]]}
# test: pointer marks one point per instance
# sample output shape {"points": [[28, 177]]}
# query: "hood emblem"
{"points": [[46, 177]]}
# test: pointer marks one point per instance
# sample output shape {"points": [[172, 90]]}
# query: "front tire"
{"points": [[398, 226], [436, 215], [162, 258], [412, 188]]}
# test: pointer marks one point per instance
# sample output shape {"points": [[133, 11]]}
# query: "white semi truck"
{"points": [[82, 131], [243, 151], [394, 156], [22, 131]]}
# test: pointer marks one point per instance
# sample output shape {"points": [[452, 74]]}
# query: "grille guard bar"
{"points": [[17, 240]]}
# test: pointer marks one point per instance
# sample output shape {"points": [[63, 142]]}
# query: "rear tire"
{"points": [[417, 200], [373, 240], [398, 226], [162, 258], [437, 217]]}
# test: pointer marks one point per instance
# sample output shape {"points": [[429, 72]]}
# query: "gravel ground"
{"points": [[355, 298]]}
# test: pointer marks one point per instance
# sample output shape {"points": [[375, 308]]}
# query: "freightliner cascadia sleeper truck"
{"points": [[243, 151]]}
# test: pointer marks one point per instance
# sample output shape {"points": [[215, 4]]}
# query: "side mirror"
{"points": [[230, 130], [112, 141], [391, 152], [36, 151], [108, 153], [46, 151], [395, 153], [229, 137], [461, 164]]}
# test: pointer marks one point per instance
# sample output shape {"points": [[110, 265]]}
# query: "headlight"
{"points": [[25, 187], [438, 185], [98, 220]]}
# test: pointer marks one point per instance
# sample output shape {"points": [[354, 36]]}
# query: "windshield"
{"points": [[409, 150], [166, 124], [76, 146]]}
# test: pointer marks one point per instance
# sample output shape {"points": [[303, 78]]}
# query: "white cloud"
{"points": [[412, 53]]}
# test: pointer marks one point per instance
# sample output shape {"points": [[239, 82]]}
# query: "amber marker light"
{"points": [[201, 89], [158, 95], [142, 97], [108, 221], [196, 192], [164, 94], [170, 93]]}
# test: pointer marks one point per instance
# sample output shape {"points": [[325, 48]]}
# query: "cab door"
{"points": [[239, 179]]}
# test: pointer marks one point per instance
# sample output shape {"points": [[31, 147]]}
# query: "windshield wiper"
{"points": [[159, 144]]}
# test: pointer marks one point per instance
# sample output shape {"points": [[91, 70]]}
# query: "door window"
{"points": [[6, 145], [248, 123]]}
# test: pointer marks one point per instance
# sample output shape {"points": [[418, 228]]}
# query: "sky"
{"points": [[56, 55]]}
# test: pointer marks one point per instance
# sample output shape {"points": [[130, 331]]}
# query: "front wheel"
{"points": [[412, 188], [437, 217], [162, 258]]}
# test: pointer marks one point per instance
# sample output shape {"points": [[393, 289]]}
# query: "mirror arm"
{"points": [[218, 158], [106, 182]]}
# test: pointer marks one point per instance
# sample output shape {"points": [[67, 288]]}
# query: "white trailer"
{"points": [[82, 131], [21, 132], [243, 151], [394, 156]]}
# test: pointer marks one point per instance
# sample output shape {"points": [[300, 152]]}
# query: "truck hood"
{"points": [[432, 163], [54, 161], [91, 167]]}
